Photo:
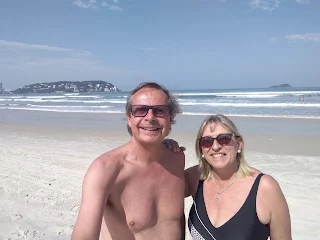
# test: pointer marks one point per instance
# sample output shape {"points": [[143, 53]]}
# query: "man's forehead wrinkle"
{"points": [[149, 95], [148, 91]]}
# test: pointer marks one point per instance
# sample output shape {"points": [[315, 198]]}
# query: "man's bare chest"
{"points": [[149, 199]]}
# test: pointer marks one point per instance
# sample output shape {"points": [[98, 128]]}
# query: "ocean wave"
{"points": [[233, 104], [84, 96], [270, 94], [67, 107], [256, 115], [80, 110], [44, 97], [110, 111]]}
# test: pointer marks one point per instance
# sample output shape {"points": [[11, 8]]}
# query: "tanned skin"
{"points": [[135, 191]]}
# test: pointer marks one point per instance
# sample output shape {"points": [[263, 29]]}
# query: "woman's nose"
{"points": [[215, 145]]}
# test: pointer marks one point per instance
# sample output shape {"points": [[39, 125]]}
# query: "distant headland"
{"points": [[281, 85], [68, 87]]}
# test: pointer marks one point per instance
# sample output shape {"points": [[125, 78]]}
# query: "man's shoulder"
{"points": [[105, 168], [110, 158], [176, 155]]}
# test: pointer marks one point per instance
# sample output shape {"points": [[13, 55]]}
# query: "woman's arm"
{"points": [[280, 224]]}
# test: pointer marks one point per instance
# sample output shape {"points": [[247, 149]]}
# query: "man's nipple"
{"points": [[132, 223]]}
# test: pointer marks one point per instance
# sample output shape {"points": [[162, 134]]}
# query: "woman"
{"points": [[232, 201]]}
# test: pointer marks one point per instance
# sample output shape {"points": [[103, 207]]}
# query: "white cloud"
{"points": [[104, 4], [22, 64], [212, 53], [303, 1], [8, 44], [308, 37], [273, 39], [85, 4], [20, 45], [25, 71], [148, 49], [115, 8], [94, 4], [265, 5]]}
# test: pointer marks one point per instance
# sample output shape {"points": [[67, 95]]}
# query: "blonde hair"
{"points": [[205, 167]]}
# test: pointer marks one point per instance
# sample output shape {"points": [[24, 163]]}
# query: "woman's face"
{"points": [[223, 154]]}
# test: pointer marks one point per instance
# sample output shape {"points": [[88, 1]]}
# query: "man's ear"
{"points": [[128, 121], [172, 121]]}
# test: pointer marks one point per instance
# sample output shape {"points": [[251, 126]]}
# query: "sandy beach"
{"points": [[44, 156]]}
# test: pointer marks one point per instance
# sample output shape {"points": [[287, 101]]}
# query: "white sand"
{"points": [[41, 172]]}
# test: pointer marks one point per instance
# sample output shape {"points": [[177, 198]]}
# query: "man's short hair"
{"points": [[171, 101]]}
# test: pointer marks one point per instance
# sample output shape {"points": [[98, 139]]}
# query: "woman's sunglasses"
{"points": [[160, 111], [222, 139]]}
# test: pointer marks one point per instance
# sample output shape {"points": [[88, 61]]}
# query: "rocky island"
{"points": [[281, 85], [68, 87]]}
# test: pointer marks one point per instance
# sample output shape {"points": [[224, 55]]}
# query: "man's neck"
{"points": [[145, 152]]}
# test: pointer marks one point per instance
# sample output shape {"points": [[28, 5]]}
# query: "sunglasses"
{"points": [[160, 111], [222, 139]]}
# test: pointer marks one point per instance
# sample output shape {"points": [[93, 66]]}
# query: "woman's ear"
{"points": [[240, 143]]}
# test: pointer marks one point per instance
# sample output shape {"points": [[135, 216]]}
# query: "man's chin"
{"points": [[151, 139]]}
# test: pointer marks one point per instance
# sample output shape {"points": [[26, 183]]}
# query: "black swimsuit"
{"points": [[244, 225]]}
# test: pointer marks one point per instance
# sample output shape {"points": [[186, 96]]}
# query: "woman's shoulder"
{"points": [[269, 189], [267, 182]]}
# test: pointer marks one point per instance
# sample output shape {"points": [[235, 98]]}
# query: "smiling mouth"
{"points": [[150, 128], [217, 155]]}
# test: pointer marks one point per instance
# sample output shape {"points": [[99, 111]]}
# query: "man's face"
{"points": [[154, 126]]}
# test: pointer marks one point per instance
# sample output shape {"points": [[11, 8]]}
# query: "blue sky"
{"points": [[182, 44]]}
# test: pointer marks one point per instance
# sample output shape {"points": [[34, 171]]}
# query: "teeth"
{"points": [[151, 129], [218, 155]]}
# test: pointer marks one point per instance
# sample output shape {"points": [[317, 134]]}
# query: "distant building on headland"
{"points": [[3, 90]]}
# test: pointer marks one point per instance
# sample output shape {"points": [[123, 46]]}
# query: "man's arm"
{"points": [[191, 176], [97, 186]]}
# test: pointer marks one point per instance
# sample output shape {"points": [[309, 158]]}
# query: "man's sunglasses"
{"points": [[222, 139], [160, 111]]}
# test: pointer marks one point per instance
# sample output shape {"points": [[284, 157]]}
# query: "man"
{"points": [[136, 191]]}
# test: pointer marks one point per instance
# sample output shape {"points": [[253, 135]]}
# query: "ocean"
{"points": [[263, 102]]}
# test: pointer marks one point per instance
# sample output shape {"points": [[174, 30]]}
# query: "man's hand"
{"points": [[173, 145]]}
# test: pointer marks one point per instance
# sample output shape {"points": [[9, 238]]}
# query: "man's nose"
{"points": [[150, 115]]}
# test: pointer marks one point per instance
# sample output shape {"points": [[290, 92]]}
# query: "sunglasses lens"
{"points": [[142, 110], [139, 111], [224, 139], [206, 142], [161, 111]]}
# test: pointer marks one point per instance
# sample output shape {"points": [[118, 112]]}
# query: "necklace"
{"points": [[219, 193]]}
